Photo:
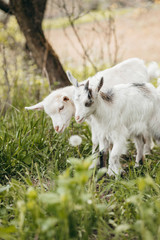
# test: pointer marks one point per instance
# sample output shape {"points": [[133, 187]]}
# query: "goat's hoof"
{"points": [[147, 152], [123, 173], [140, 163], [110, 173], [136, 165]]}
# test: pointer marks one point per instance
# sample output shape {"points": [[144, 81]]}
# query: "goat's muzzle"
{"points": [[77, 118], [56, 128]]}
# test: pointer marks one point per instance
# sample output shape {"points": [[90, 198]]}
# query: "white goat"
{"points": [[59, 104], [119, 113]]}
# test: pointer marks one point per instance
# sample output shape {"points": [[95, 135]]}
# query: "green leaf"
{"points": [[122, 228], [6, 232]]}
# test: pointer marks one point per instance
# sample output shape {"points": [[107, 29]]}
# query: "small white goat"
{"points": [[59, 104], [119, 113]]}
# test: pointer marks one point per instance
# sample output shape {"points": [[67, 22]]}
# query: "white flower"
{"points": [[75, 140], [89, 201]]}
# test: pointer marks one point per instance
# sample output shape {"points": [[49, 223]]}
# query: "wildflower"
{"points": [[89, 201], [20, 204], [75, 140]]}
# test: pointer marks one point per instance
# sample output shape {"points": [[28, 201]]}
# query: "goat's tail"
{"points": [[153, 70]]}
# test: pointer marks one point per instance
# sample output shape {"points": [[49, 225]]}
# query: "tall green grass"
{"points": [[27, 138], [80, 204], [47, 191]]}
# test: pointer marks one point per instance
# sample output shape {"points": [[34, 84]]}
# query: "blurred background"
{"points": [[110, 31]]}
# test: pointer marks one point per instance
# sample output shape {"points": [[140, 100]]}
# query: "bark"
{"points": [[29, 14]]}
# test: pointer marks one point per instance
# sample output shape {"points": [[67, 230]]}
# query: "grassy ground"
{"points": [[47, 191]]}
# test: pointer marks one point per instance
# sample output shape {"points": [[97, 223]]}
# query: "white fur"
{"points": [[59, 106], [132, 112]]}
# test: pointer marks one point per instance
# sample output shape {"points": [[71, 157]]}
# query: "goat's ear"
{"points": [[86, 87], [38, 106], [72, 79], [100, 84], [65, 99]]}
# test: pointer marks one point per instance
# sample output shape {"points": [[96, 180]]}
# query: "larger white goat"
{"points": [[119, 113]]}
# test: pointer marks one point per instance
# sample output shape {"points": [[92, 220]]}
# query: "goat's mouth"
{"points": [[80, 120], [61, 130]]}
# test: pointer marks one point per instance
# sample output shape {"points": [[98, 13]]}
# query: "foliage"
{"points": [[18, 72]]}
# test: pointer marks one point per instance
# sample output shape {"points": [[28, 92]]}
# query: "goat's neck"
{"points": [[102, 110]]}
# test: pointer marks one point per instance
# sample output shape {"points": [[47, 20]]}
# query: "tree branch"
{"points": [[5, 7]]}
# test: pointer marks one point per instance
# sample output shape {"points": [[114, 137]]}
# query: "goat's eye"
{"points": [[61, 108], [65, 99], [88, 104]]}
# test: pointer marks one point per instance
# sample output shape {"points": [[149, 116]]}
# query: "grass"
{"points": [[47, 191], [28, 138]]}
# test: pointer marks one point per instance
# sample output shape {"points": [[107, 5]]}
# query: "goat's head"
{"points": [[59, 106], [85, 98]]}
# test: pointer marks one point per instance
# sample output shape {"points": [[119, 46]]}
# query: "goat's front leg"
{"points": [[115, 167], [103, 149], [101, 158], [95, 142], [139, 142]]}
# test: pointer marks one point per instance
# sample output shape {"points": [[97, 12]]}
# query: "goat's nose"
{"points": [[78, 117], [57, 128]]}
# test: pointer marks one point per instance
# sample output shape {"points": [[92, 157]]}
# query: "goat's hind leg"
{"points": [[149, 145], [139, 143]]}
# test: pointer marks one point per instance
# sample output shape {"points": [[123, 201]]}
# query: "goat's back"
{"points": [[132, 70], [132, 106]]}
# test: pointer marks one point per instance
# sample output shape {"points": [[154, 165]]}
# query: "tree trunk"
{"points": [[29, 14]]}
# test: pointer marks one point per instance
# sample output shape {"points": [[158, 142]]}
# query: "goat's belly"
{"points": [[137, 128]]}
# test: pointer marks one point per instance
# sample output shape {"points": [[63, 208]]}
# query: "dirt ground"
{"points": [[137, 33]]}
